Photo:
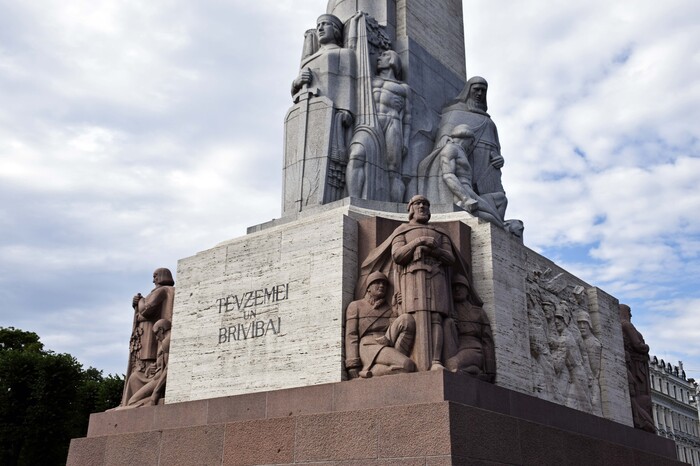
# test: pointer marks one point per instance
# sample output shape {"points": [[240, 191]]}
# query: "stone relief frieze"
{"points": [[565, 351]]}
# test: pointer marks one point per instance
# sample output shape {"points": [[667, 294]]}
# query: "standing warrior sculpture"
{"points": [[424, 255], [637, 357], [144, 343], [420, 259]]}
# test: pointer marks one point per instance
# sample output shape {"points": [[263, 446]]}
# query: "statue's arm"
{"points": [[448, 166], [150, 306], [444, 252], [407, 118], [401, 252], [351, 39], [352, 338], [636, 340]]}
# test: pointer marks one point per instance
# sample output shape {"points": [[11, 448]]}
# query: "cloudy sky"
{"points": [[136, 133]]}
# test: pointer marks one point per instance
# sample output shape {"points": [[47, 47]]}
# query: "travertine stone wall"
{"points": [[282, 324]]}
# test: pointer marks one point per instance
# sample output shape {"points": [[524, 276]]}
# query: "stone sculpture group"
{"points": [[565, 351], [349, 131], [434, 320]]}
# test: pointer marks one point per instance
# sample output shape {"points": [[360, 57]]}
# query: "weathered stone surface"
{"points": [[419, 418]]}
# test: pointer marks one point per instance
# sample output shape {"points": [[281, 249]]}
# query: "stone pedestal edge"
{"points": [[434, 418]]}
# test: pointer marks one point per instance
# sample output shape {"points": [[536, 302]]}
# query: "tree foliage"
{"points": [[46, 399]]}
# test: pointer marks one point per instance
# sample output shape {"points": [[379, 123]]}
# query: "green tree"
{"points": [[45, 399]]}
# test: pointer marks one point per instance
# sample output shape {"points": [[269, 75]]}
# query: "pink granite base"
{"points": [[430, 418]]}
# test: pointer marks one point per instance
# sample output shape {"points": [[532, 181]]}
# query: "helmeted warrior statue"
{"points": [[377, 340]]}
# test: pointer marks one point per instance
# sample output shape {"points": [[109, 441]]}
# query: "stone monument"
{"points": [[392, 313]]}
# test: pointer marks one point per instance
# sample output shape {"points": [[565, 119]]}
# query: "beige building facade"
{"points": [[675, 408]]}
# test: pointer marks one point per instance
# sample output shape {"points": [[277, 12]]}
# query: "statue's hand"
{"points": [[305, 77], [354, 373], [346, 118], [135, 300], [470, 205], [429, 241], [497, 160]]}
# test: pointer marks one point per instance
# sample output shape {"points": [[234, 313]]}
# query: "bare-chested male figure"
{"points": [[391, 97], [393, 111]]}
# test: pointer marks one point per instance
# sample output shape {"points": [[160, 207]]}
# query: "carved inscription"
{"points": [[247, 304], [254, 329], [253, 298]]}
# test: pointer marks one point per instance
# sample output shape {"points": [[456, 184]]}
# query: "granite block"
{"points": [[415, 430], [298, 401], [175, 415], [237, 408], [141, 448], [202, 446], [269, 441], [480, 434], [121, 421], [337, 436], [86, 451]]}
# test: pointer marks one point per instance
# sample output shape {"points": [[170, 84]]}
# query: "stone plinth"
{"points": [[430, 418]]}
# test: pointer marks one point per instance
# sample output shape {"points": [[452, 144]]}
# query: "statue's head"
{"points": [[460, 288], [376, 285], [419, 209], [463, 135], [329, 29], [161, 327], [584, 323], [549, 309], [515, 227], [561, 319], [391, 60], [625, 313], [474, 94], [163, 277]]}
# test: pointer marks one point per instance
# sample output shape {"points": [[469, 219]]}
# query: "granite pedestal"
{"points": [[429, 418]]}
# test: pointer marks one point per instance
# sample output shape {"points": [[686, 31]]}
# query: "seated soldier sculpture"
{"points": [[377, 341]]}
